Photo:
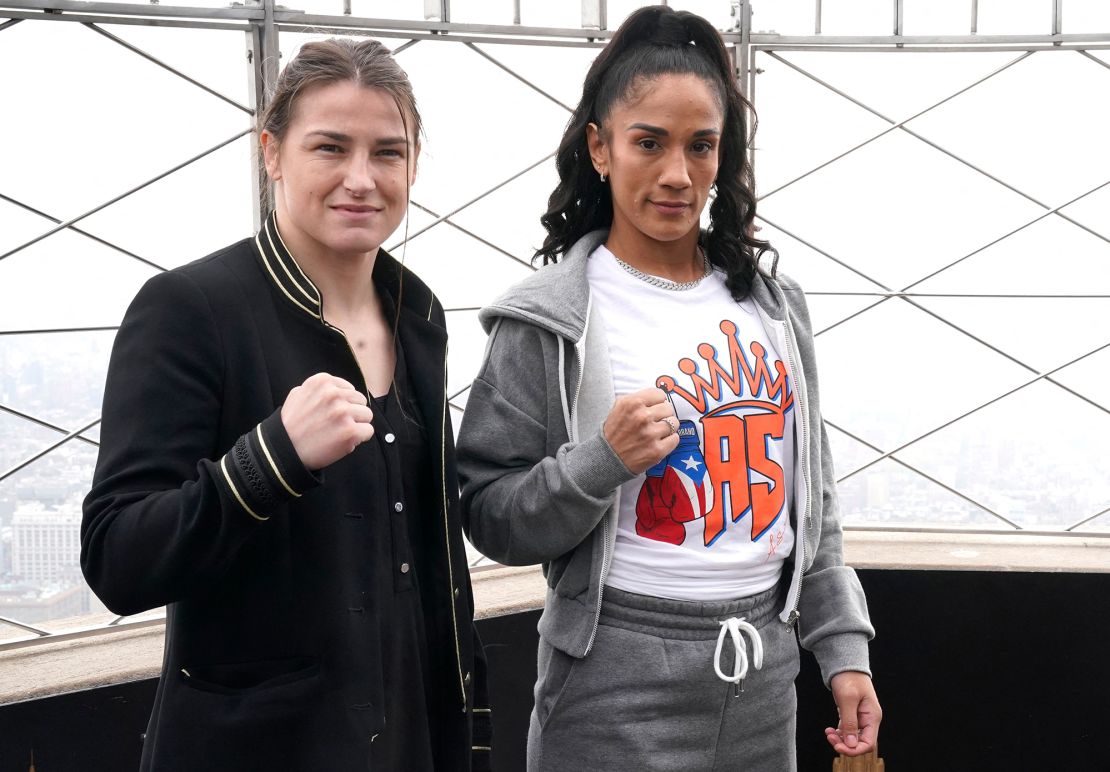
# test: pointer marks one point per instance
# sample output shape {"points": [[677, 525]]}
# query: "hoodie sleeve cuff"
{"points": [[263, 470], [839, 653], [596, 468]]}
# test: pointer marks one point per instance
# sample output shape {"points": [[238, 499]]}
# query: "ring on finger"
{"points": [[671, 423]]}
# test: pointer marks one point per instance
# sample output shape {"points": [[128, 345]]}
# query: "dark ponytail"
{"points": [[656, 41]]}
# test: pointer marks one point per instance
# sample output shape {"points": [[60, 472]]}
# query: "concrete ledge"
{"points": [[46, 669], [507, 590], [50, 668], [949, 551]]}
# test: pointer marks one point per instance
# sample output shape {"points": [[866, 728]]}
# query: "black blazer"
{"points": [[200, 502]]}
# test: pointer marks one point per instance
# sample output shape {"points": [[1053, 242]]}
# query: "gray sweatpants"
{"points": [[647, 698]]}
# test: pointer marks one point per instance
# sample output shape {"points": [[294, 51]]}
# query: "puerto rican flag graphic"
{"points": [[674, 491]]}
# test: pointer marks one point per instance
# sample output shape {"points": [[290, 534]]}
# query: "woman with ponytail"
{"points": [[647, 425]]}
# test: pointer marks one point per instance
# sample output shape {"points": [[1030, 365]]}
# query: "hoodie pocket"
{"points": [[574, 578]]}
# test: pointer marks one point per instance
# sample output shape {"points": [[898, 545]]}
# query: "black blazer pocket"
{"points": [[261, 693], [242, 716]]}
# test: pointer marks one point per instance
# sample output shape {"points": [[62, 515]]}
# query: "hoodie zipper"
{"points": [[802, 411], [604, 521], [606, 553]]}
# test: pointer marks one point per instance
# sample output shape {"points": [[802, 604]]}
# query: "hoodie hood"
{"points": [[556, 297], [770, 293]]}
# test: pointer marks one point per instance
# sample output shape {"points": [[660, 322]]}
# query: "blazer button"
{"points": [[389, 438], [456, 592], [398, 507], [404, 568], [466, 679]]}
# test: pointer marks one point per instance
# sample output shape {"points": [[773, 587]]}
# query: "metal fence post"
{"points": [[593, 14], [263, 61], [742, 11]]}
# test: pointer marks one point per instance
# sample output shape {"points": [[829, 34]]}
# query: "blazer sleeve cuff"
{"points": [[262, 470]]}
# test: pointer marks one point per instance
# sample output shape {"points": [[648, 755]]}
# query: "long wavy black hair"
{"points": [[654, 41]]}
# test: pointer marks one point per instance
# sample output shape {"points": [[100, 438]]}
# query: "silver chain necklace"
{"points": [[666, 284]]}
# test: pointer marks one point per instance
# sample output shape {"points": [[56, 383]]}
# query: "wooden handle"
{"points": [[868, 762]]}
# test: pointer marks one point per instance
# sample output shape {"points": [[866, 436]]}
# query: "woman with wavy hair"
{"points": [[647, 425]]}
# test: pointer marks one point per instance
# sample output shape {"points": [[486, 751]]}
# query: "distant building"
{"points": [[39, 604], [5, 551], [46, 543], [49, 491], [7, 509]]}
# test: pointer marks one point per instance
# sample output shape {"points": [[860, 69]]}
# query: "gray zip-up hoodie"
{"points": [[540, 484]]}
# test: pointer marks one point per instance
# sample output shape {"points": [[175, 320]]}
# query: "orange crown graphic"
{"points": [[742, 380]]}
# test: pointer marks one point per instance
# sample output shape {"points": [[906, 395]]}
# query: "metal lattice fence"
{"points": [[940, 194]]}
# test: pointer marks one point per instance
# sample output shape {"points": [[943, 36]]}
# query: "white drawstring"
{"points": [[733, 627]]}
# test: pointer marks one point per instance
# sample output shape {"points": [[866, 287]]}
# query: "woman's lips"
{"points": [[355, 210], [670, 207]]}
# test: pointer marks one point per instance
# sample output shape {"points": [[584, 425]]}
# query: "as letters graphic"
{"points": [[724, 473]]}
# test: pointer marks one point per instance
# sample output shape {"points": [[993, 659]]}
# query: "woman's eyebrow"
{"points": [[660, 131], [649, 128], [338, 136]]}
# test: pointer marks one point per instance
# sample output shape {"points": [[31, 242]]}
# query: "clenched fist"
{"points": [[641, 428], [326, 419]]}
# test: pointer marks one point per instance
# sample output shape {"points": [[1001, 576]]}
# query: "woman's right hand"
{"points": [[326, 418], [641, 428]]}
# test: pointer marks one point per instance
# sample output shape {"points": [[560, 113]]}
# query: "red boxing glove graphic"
{"points": [[673, 492]]}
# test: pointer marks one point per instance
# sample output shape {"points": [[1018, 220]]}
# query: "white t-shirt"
{"points": [[711, 521]]}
